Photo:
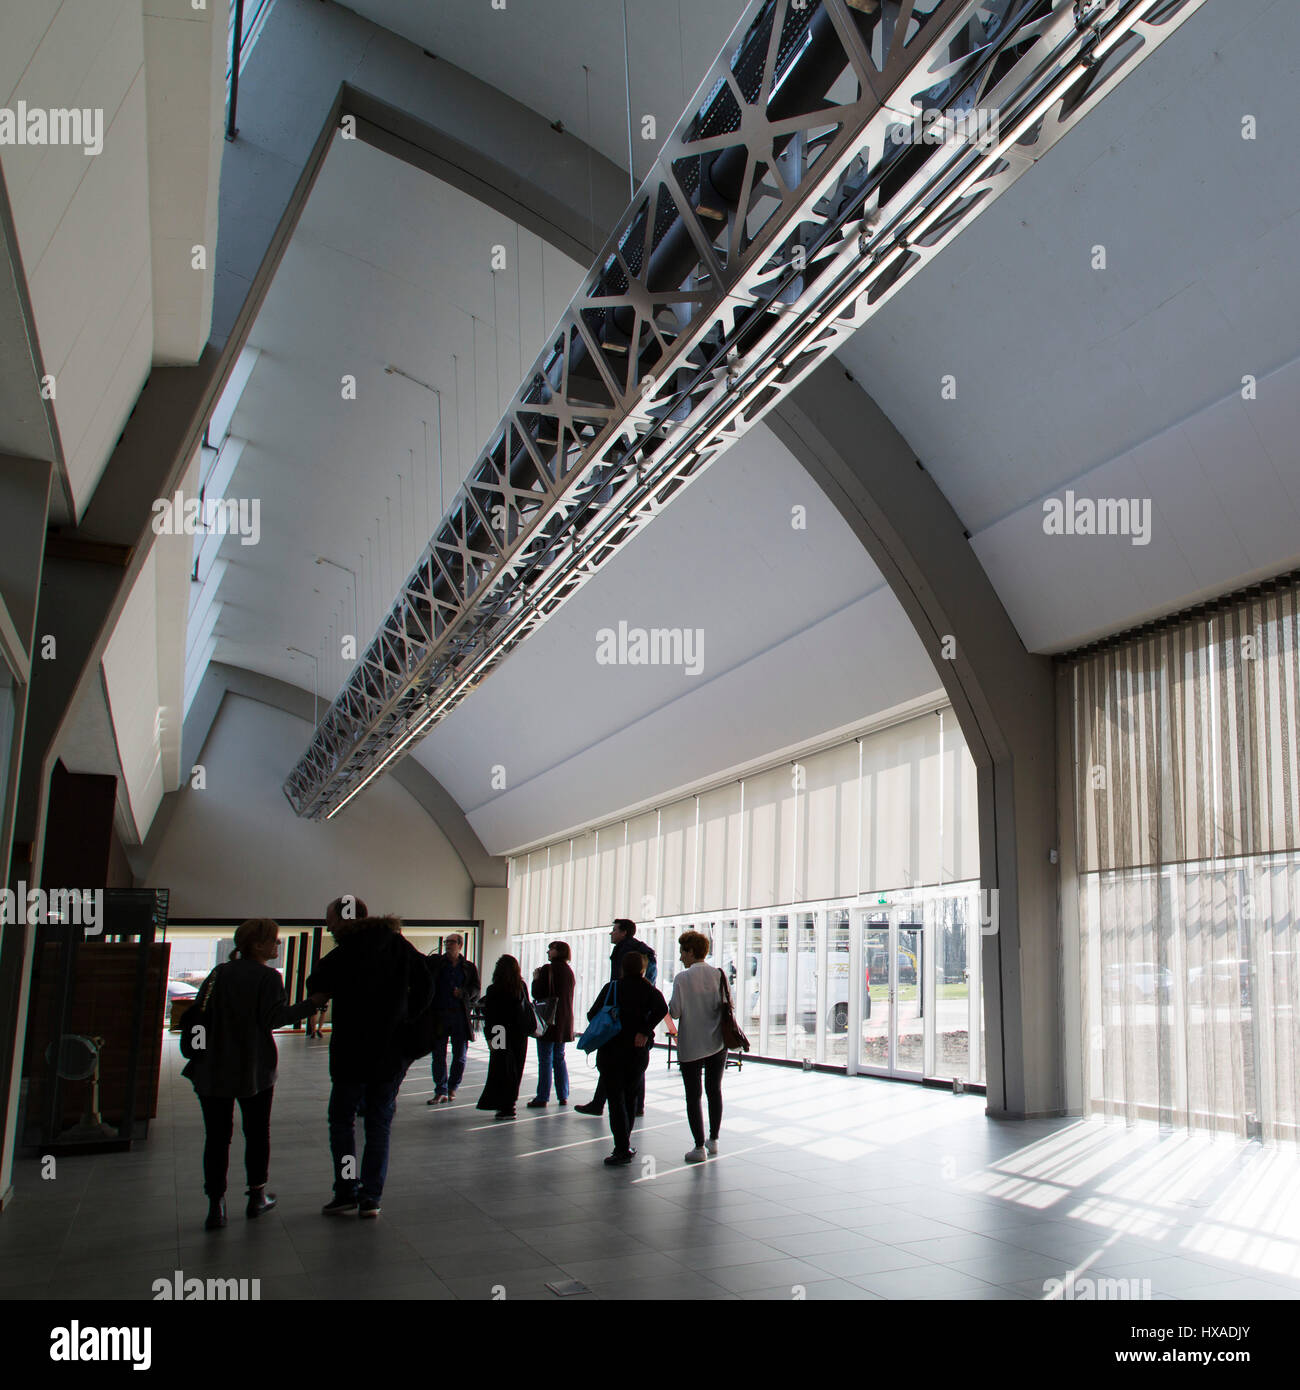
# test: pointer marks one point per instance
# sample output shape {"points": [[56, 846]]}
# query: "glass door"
{"points": [[909, 995], [874, 1029], [891, 1027]]}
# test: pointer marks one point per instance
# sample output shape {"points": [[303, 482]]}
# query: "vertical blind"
{"points": [[1187, 813]]}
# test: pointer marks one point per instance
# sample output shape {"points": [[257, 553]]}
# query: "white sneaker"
{"points": [[697, 1154], [712, 1147]]}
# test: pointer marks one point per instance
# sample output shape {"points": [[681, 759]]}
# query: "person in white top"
{"points": [[697, 1006]]}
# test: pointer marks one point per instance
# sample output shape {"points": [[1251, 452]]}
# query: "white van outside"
{"points": [[837, 989]]}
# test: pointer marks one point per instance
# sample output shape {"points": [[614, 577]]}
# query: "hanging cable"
{"points": [[627, 79]]}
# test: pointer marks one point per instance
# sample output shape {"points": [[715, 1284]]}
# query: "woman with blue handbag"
{"points": [[623, 1058]]}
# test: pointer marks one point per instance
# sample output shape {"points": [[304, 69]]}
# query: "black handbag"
{"points": [[197, 1020], [733, 1036], [548, 1007]]}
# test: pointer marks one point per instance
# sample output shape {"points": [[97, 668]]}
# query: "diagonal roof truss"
{"points": [[797, 194]]}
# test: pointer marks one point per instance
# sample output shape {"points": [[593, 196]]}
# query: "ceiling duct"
{"points": [[809, 179]]}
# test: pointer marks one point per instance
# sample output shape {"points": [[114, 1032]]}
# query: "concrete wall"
{"points": [[236, 848]]}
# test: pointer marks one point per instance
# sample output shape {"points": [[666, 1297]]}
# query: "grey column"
{"points": [[1002, 696]]}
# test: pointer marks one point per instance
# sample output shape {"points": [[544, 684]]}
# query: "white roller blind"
{"points": [[534, 889], [719, 849], [900, 780], [582, 914], [961, 830], [512, 898], [828, 825], [677, 846], [609, 897], [767, 835], [554, 897], [642, 891]]}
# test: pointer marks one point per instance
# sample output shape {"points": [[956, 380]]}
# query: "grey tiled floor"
{"points": [[826, 1188]]}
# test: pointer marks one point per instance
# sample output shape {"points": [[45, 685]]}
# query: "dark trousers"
{"points": [[602, 1092], [218, 1126], [459, 1040], [623, 1075], [709, 1070], [378, 1100]]}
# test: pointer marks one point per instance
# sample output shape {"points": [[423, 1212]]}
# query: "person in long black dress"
{"points": [[506, 1025]]}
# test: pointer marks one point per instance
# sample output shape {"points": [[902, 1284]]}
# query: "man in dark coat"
{"points": [[623, 935], [376, 980], [455, 992]]}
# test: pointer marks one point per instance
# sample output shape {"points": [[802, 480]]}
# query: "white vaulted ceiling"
{"points": [[1117, 382], [1124, 381], [387, 267], [535, 51]]}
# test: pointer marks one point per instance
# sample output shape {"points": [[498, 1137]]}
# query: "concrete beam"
{"points": [[219, 681], [1003, 698]]}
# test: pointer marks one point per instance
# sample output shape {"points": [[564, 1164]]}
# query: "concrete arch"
{"points": [[1003, 698], [220, 680]]}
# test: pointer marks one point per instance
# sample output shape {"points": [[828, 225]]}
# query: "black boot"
{"points": [[259, 1200], [216, 1214]]}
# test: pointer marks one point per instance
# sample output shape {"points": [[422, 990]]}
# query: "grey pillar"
{"points": [[1002, 696]]}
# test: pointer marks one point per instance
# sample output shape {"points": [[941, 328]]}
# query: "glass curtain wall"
{"points": [[840, 894], [1187, 807]]}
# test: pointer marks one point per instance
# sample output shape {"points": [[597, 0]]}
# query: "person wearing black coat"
{"points": [[507, 1025], [623, 935], [375, 980], [554, 980], [455, 992], [244, 1000], [623, 1060]]}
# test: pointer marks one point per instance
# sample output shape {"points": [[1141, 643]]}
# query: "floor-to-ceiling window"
{"points": [[1187, 832], [839, 892]]}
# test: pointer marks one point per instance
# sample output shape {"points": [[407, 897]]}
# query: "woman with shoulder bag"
{"points": [[235, 1059], [553, 994], [697, 1005]]}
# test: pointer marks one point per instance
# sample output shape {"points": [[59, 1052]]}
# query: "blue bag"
{"points": [[606, 1026]]}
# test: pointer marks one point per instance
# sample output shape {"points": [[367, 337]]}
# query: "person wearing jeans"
{"points": [[696, 1004], [554, 980], [375, 981], [455, 992], [378, 1104]]}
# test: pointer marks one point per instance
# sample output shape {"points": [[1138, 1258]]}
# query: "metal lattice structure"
{"points": [[783, 211]]}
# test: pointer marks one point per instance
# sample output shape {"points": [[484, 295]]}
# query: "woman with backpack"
{"points": [[507, 1025], [234, 1058], [553, 992], [623, 1058]]}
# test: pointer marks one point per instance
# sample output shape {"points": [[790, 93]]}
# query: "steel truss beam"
{"points": [[781, 213]]}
